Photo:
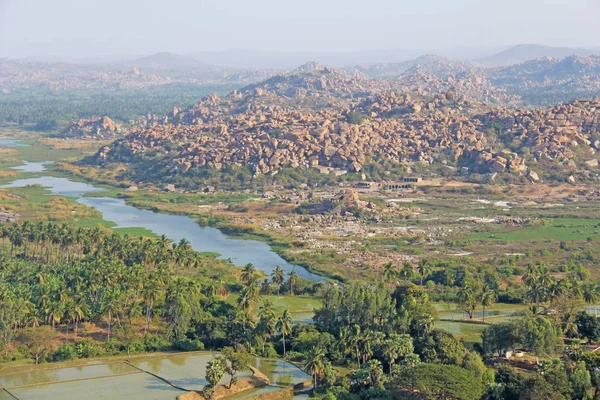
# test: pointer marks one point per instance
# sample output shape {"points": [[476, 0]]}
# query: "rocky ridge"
{"points": [[94, 128], [263, 129]]}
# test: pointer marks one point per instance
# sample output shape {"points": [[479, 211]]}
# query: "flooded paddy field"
{"points": [[139, 386], [144, 377], [182, 370]]}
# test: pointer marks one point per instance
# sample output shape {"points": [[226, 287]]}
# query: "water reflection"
{"points": [[155, 363], [11, 143], [120, 368], [281, 373], [40, 376], [32, 166], [132, 387], [30, 378], [178, 361]]}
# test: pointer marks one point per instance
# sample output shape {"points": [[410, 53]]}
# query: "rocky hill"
{"points": [[537, 82], [271, 127], [436, 75], [100, 128], [315, 80], [394, 70]]}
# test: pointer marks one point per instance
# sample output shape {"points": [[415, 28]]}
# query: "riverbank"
{"points": [[117, 214]]}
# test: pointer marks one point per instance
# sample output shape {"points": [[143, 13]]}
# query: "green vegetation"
{"points": [[565, 229], [68, 277], [296, 305], [434, 381], [71, 292], [50, 110]]}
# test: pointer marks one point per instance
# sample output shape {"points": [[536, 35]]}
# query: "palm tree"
{"points": [[266, 322], [78, 312], [110, 307], [244, 301], [292, 279], [590, 295], [576, 290], [488, 297], [424, 269], [425, 324], [466, 297], [407, 271], [150, 294], [545, 280], [354, 340], [396, 346], [345, 341], [184, 245], [248, 273], [449, 275], [163, 243], [210, 290], [278, 276], [284, 325], [245, 319], [391, 352], [389, 271], [365, 345], [536, 292], [266, 310], [315, 362], [556, 290], [531, 274], [55, 312]]}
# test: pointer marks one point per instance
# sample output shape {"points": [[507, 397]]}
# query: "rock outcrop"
{"points": [[94, 128]]}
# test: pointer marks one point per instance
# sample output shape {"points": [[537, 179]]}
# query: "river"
{"points": [[175, 227]]}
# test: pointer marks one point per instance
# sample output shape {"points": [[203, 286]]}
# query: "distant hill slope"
{"points": [[393, 70], [167, 60], [550, 80], [525, 52]]}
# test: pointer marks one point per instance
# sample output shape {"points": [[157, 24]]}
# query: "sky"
{"points": [[82, 28]]}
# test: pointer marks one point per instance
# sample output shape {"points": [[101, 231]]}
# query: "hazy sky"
{"points": [[100, 27]]}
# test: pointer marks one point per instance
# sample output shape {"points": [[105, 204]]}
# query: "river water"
{"points": [[175, 227]]}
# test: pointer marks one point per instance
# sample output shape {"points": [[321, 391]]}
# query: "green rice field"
{"points": [[564, 229]]}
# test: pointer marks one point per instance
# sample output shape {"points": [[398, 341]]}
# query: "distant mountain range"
{"points": [[525, 52], [288, 60], [281, 60], [486, 57], [521, 75], [167, 60]]}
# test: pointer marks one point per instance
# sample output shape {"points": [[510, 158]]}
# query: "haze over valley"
{"points": [[326, 199]]}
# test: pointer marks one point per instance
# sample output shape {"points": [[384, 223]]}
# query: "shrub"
{"points": [[269, 351], [188, 345], [137, 345], [113, 346], [65, 352], [355, 117], [86, 348], [295, 356], [156, 343]]}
